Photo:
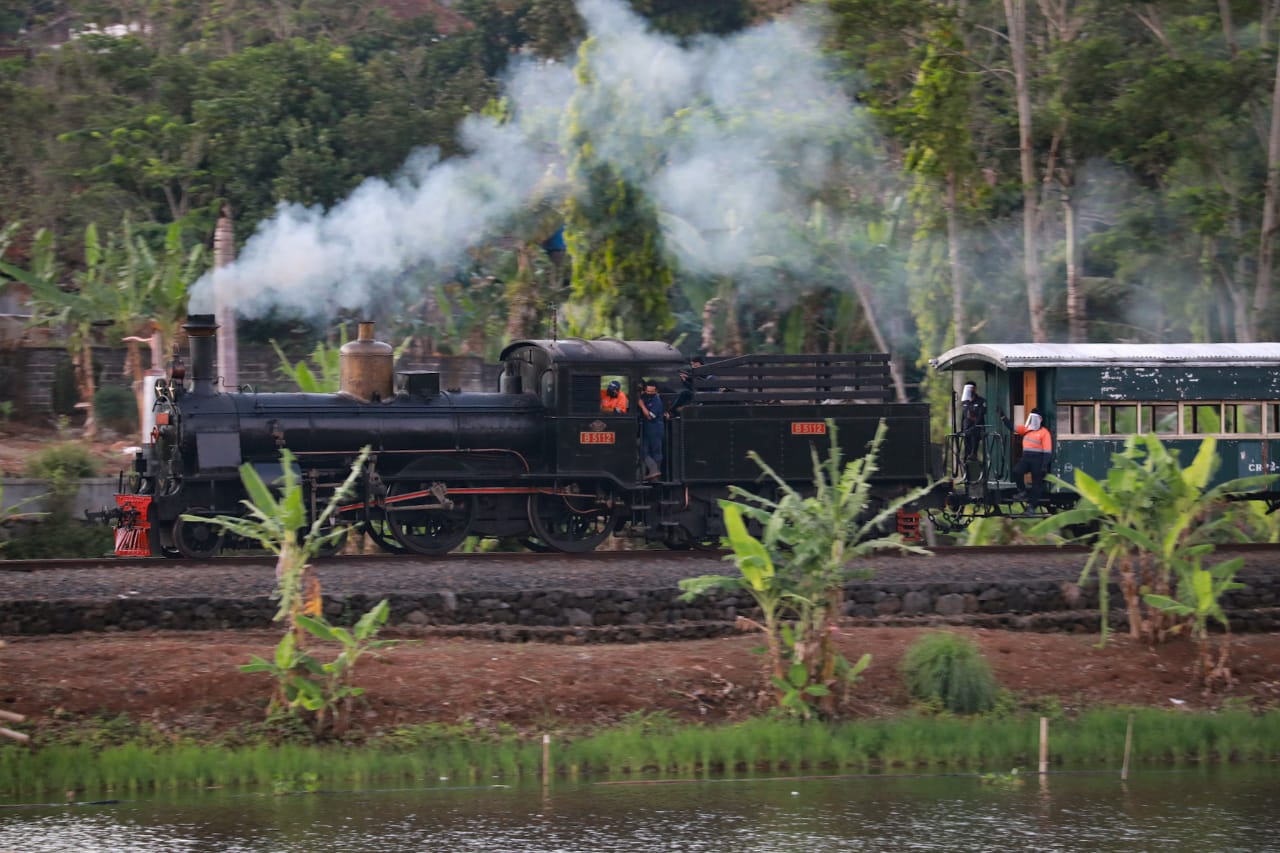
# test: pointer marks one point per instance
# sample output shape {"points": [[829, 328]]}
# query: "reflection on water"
{"points": [[1210, 809]]}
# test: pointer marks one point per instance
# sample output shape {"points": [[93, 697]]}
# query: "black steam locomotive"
{"points": [[540, 460]]}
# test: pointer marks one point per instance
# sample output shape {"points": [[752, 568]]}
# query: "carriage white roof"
{"points": [[1025, 355]]}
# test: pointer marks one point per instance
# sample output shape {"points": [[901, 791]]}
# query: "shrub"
{"points": [[116, 408], [948, 669], [62, 464], [68, 460], [58, 537]]}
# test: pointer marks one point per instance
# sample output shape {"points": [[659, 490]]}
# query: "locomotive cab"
{"points": [[584, 437]]}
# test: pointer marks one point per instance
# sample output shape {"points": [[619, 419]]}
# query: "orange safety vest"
{"points": [[1035, 440]]}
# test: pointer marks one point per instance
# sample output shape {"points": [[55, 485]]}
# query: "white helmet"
{"points": [[1033, 421], [967, 394]]}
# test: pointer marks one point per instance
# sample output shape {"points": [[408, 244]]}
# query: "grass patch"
{"points": [[115, 759]]}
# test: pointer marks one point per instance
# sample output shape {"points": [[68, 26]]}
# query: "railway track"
{"points": [[410, 560]]}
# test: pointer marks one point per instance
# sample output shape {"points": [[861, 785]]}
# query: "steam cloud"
{"points": [[757, 113]]}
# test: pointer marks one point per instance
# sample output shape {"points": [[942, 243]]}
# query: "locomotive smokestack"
{"points": [[202, 331]]}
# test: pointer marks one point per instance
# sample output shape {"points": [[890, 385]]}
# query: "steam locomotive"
{"points": [[538, 460]]}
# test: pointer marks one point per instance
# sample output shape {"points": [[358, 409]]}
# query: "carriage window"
{"points": [[1203, 419], [1076, 419], [1165, 419], [1117, 420], [1273, 418], [1242, 417]]}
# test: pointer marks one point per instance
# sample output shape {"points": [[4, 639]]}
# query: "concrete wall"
{"points": [[24, 494]]}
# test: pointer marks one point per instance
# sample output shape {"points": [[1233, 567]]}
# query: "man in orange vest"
{"points": [[1037, 451], [613, 398]]}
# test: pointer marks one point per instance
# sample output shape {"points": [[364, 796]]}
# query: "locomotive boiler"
{"points": [[538, 460]]}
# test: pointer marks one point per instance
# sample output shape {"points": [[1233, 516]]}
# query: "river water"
{"points": [[1215, 809]]}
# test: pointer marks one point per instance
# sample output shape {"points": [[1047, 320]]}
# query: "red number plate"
{"points": [[597, 437], [808, 428]]}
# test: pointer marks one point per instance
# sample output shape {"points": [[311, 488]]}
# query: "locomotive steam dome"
{"points": [[366, 367]]}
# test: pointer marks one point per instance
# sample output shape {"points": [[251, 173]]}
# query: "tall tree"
{"points": [[620, 271], [1016, 17], [1271, 196]]}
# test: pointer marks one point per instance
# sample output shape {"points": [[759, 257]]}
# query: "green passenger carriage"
{"points": [[1092, 396]]}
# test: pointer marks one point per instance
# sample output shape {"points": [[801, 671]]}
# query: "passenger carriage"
{"points": [[1092, 396]]}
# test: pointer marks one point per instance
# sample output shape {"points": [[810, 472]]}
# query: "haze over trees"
{"points": [[829, 175]]}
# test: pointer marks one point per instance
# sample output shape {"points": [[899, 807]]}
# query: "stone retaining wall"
{"points": [[625, 614]]}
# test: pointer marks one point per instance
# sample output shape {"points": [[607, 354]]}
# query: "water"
{"points": [[1212, 809]]}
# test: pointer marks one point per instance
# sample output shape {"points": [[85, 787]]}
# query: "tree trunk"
{"points": [[522, 297], [1075, 299], [1016, 15], [863, 290], [961, 318], [1266, 242], [812, 308], [83, 364], [1228, 28], [720, 333]]}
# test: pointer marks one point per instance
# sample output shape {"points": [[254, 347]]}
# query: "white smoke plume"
{"points": [[726, 134]]}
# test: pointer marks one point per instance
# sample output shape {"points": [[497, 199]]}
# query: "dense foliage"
{"points": [[1080, 170]]}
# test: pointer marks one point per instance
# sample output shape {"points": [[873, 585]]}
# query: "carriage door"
{"points": [[1022, 399], [598, 436]]}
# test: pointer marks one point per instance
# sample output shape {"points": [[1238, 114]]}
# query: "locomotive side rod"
{"points": [[466, 490]]}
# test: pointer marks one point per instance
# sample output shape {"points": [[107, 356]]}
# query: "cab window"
{"points": [[547, 389], [590, 391]]}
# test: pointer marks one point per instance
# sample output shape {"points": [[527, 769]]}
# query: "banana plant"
{"points": [[757, 576], [72, 303], [1199, 600], [164, 280], [279, 524], [797, 569], [1151, 515], [324, 374]]}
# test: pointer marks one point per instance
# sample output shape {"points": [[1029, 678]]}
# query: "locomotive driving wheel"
{"points": [[424, 519], [569, 523], [375, 525], [198, 539]]}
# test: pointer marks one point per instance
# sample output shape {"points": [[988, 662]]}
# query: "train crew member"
{"points": [[651, 430], [685, 395], [973, 419], [613, 398], [1037, 451]]}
